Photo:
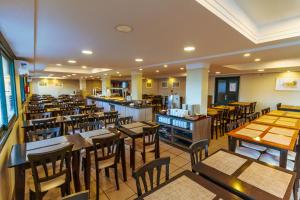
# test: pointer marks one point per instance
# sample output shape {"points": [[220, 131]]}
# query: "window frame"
{"points": [[22, 79]]}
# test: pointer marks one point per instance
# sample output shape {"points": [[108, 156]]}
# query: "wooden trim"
{"points": [[5, 47]]}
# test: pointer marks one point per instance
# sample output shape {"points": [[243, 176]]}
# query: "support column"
{"points": [[136, 85], [197, 85], [82, 87], [106, 85]]}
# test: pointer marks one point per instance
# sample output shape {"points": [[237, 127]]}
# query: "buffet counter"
{"points": [[139, 113]]}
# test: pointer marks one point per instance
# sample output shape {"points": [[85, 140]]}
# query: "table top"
{"points": [[18, 154], [290, 107], [135, 129], [282, 113], [251, 179], [267, 135], [212, 112], [222, 107], [241, 103], [188, 183], [285, 122], [53, 109]]}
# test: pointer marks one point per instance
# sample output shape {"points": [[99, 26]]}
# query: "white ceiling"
{"points": [[161, 30]]}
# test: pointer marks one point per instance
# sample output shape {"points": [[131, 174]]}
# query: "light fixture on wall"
{"points": [[139, 60], [72, 61], [157, 71], [218, 72], [181, 68], [165, 66], [87, 52], [124, 28], [189, 49], [257, 59], [83, 67], [58, 64], [261, 70], [247, 55]]}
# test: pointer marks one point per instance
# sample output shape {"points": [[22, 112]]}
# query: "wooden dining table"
{"points": [[279, 138], [18, 157], [289, 108], [285, 122], [188, 185], [240, 103], [282, 113], [245, 177], [223, 107], [135, 131]]}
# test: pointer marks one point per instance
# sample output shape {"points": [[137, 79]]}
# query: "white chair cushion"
{"points": [[273, 160], [274, 152], [251, 153], [254, 146]]}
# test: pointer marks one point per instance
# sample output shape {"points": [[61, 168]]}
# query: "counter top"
{"points": [[118, 101]]}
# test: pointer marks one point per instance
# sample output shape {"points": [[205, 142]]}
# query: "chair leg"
{"points": [[106, 172], [295, 189], [97, 185], [144, 156], [116, 176]]}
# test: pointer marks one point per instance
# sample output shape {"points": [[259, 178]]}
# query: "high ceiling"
{"points": [[161, 29]]}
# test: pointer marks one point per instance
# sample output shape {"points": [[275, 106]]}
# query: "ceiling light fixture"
{"points": [[87, 52], [218, 72], [58, 64], [189, 49], [73, 74], [157, 71], [141, 69], [72, 61], [247, 55], [257, 59], [69, 75], [139, 60], [261, 70], [83, 67], [165, 66], [124, 28], [91, 76], [118, 72], [181, 68], [105, 74]]}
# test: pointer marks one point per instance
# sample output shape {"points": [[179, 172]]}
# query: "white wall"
{"points": [[261, 88]]}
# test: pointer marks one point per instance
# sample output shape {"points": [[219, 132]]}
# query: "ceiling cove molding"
{"points": [[233, 15]]}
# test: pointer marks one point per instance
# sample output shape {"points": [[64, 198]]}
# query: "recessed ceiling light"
{"points": [[139, 60], [218, 72], [63, 76], [91, 76], [73, 74], [118, 72], [124, 28], [165, 66], [181, 68], [58, 64], [247, 54], [190, 48], [141, 69], [261, 70], [105, 74], [157, 71], [72, 61], [257, 59], [87, 52], [69, 75], [83, 67]]}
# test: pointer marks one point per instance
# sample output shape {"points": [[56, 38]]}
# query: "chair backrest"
{"points": [[265, 110], [77, 119], [241, 122], [106, 148], [42, 134], [124, 120], [254, 116], [90, 126], [110, 117], [68, 111], [44, 123], [196, 151], [84, 195], [40, 115], [253, 107], [89, 109], [278, 106], [231, 126], [47, 166], [150, 135], [148, 170]]}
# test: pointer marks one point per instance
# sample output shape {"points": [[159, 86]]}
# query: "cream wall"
{"points": [[68, 87], [91, 84], [6, 174], [261, 88]]}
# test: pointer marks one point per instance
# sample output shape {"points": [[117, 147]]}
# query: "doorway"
{"points": [[226, 90]]}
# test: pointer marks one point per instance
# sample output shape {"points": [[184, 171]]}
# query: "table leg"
{"points": [[123, 160], [133, 155], [19, 183], [87, 170], [232, 144], [283, 158], [76, 170]]}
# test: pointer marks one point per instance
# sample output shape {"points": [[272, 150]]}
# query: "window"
{"points": [[22, 88], [7, 89]]}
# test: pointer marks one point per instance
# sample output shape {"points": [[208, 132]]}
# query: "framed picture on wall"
{"points": [[59, 84], [288, 84], [43, 84], [148, 84], [176, 84], [164, 84]]}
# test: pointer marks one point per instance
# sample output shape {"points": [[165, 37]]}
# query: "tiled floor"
{"points": [[180, 161]]}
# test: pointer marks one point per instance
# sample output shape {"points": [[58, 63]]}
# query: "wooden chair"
{"points": [[44, 123], [90, 126], [56, 171], [89, 109], [278, 106], [265, 110], [84, 195], [254, 116], [43, 134], [106, 152], [68, 111], [148, 170], [217, 125], [40, 115], [124, 120], [110, 118], [149, 143], [76, 120], [196, 151]]}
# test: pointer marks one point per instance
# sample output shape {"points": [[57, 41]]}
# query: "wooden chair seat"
{"points": [[149, 148], [106, 163], [51, 184]]}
